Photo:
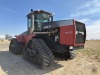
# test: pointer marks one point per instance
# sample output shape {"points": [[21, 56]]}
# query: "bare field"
{"points": [[92, 49], [87, 62]]}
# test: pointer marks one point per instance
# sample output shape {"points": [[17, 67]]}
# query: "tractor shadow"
{"points": [[15, 65]]}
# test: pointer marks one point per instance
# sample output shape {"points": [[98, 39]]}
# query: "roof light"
{"points": [[38, 10]]}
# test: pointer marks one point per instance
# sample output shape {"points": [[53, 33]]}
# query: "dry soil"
{"points": [[83, 64]]}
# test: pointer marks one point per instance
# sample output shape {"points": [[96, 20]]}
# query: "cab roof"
{"points": [[39, 11]]}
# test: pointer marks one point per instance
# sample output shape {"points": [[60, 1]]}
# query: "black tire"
{"points": [[15, 47], [38, 53]]}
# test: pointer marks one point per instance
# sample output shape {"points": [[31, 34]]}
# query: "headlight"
{"points": [[71, 47]]}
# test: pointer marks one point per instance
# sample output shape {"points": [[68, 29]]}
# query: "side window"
{"points": [[29, 23]]}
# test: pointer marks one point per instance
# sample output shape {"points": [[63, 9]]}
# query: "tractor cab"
{"points": [[36, 18]]}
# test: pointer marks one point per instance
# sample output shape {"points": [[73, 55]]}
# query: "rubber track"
{"points": [[44, 51]]}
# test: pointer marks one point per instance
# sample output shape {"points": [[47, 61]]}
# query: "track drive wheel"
{"points": [[15, 47], [67, 55], [72, 54], [38, 53]]}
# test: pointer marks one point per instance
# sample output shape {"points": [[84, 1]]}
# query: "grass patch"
{"points": [[90, 52], [92, 49]]}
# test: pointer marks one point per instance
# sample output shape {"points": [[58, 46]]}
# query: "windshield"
{"points": [[39, 19]]}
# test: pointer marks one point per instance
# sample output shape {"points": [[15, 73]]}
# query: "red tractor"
{"points": [[46, 38]]}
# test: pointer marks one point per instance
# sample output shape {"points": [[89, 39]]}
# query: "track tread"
{"points": [[17, 47], [44, 52]]}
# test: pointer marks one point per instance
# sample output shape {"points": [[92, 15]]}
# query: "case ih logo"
{"points": [[70, 32], [45, 27]]}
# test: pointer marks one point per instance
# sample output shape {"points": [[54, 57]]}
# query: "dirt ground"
{"points": [[83, 64]]}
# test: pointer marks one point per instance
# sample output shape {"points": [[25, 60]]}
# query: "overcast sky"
{"points": [[13, 14]]}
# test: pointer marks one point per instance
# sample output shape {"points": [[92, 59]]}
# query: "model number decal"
{"points": [[70, 32], [49, 26]]}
